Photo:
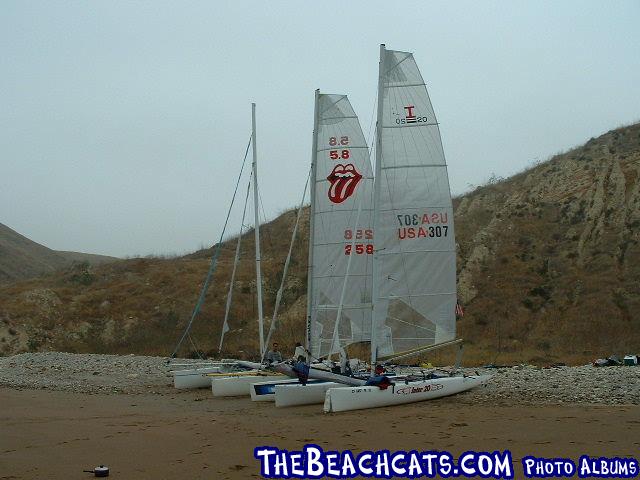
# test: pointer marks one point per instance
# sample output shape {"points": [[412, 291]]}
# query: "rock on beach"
{"points": [[134, 374]]}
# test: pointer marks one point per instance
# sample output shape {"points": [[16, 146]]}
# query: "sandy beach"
{"points": [[56, 434]]}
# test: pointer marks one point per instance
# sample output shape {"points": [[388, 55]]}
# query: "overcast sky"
{"points": [[123, 124]]}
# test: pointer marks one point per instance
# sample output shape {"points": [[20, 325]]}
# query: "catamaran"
{"points": [[414, 260], [238, 384], [230, 377], [190, 376]]}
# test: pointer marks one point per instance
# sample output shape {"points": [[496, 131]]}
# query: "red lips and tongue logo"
{"points": [[343, 180]]}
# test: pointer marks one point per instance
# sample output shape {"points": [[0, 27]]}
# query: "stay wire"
{"points": [[214, 259], [225, 324], [274, 320]]}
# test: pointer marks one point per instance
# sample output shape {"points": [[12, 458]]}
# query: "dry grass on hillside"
{"points": [[548, 270]]}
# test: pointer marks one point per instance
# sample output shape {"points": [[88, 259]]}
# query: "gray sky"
{"points": [[123, 124]]}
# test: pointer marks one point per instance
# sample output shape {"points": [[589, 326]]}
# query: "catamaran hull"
{"points": [[358, 398], [193, 377], [237, 386], [266, 391], [298, 394]]}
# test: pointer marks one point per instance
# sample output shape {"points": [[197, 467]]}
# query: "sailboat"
{"points": [[237, 384], [340, 248], [414, 261], [230, 377]]}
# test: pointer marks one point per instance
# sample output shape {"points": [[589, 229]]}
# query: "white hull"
{"points": [[298, 394], [235, 386], [266, 391], [357, 398], [194, 377]]}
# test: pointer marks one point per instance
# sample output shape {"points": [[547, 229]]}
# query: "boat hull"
{"points": [[266, 391], [358, 398], [298, 394], [236, 386], [193, 377]]}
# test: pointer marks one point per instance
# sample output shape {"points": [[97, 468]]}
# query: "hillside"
{"points": [[549, 260], [21, 258], [548, 270]]}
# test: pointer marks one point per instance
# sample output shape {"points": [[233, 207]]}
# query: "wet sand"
{"points": [[191, 435]]}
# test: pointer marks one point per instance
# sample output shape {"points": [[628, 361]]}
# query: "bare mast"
{"points": [[376, 209], [257, 228]]}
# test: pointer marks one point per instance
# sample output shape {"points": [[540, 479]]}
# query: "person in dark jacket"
{"points": [[379, 379]]}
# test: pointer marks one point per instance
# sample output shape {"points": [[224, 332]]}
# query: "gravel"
{"points": [[130, 374], [87, 373], [530, 385]]}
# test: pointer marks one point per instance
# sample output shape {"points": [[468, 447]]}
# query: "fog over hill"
{"points": [[548, 270]]}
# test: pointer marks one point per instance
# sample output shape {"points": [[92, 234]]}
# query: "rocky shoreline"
{"points": [[135, 375]]}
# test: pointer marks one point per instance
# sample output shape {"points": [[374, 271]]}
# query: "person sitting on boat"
{"points": [[274, 355], [379, 379], [345, 364], [301, 354]]}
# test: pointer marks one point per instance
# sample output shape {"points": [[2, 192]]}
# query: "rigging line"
{"points": [[225, 325], [195, 347], [272, 327], [214, 258], [264, 217]]}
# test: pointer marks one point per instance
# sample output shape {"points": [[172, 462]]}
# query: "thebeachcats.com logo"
{"points": [[314, 462]]}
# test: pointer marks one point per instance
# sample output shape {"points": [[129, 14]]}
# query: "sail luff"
{"points": [[312, 196]]}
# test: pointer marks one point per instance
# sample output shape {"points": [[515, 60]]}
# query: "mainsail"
{"points": [[414, 272], [341, 236]]}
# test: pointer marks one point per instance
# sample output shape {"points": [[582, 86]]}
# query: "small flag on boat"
{"points": [[459, 310]]}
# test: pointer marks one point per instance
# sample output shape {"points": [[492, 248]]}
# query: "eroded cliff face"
{"points": [[549, 260]]}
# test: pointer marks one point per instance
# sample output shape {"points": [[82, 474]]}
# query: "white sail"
{"points": [[414, 265], [341, 237]]}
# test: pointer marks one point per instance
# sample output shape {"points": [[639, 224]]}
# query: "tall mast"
{"points": [[312, 196], [257, 228], [375, 287]]}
